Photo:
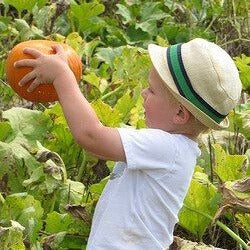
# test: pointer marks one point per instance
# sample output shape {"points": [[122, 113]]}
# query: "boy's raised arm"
{"points": [[83, 122]]}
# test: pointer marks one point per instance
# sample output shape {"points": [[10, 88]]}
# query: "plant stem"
{"points": [[235, 40], [53, 201], [222, 226], [82, 167], [111, 93]]}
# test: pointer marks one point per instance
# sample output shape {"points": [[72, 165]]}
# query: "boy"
{"points": [[192, 87]]}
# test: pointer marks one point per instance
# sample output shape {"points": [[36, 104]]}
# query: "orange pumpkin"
{"points": [[44, 92]]}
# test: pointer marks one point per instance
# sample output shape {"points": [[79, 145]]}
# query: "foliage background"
{"points": [[49, 185]]}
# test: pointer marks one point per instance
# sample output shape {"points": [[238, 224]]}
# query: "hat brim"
{"points": [[159, 59]]}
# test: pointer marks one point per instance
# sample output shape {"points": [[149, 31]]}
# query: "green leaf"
{"points": [[137, 118], [76, 42], [107, 115], [243, 64], [64, 241], [42, 17], [12, 237], [137, 35], [148, 26], [85, 14], [240, 189], [56, 222], [55, 113], [26, 32], [229, 167], [125, 104], [24, 209], [240, 119], [90, 47], [108, 55], [93, 79], [202, 196], [151, 10], [96, 189], [70, 192], [125, 13], [5, 130], [16, 162], [31, 124], [21, 5], [132, 67], [244, 220]]}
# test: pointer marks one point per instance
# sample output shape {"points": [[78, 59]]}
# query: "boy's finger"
{"points": [[25, 63], [33, 85], [27, 78], [33, 52], [58, 48]]}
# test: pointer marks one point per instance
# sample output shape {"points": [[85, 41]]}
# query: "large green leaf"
{"points": [[137, 118], [24, 209], [240, 119], [76, 42], [27, 32], [70, 192], [244, 220], [30, 124], [61, 139], [202, 197], [125, 104], [125, 13], [56, 222], [243, 64], [229, 167], [64, 241], [12, 237], [107, 115], [152, 10], [16, 162], [21, 5], [97, 188], [5, 130], [132, 67], [85, 14], [109, 54]]}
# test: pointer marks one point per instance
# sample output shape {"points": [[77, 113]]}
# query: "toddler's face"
{"points": [[159, 104]]}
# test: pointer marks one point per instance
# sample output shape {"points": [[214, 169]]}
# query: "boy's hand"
{"points": [[46, 68]]}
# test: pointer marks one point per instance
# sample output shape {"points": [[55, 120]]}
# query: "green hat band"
{"points": [[183, 83]]}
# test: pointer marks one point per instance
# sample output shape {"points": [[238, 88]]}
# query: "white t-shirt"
{"points": [[139, 205]]}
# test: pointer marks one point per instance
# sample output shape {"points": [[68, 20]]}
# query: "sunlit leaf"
{"points": [[31, 124], [56, 222], [12, 237], [5, 130], [202, 197], [24, 209], [85, 13], [229, 167], [21, 5], [107, 115], [243, 64]]}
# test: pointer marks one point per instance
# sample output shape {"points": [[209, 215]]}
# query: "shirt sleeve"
{"points": [[148, 149]]}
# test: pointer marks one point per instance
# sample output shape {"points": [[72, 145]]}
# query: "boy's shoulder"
{"points": [[150, 146]]}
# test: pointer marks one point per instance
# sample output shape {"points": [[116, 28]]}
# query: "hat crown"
{"points": [[212, 73]]}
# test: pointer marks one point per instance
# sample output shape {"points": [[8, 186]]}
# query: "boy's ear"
{"points": [[182, 115]]}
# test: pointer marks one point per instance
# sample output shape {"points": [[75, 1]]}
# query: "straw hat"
{"points": [[201, 76]]}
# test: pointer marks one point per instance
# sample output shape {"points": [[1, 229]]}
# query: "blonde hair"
{"points": [[199, 126]]}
